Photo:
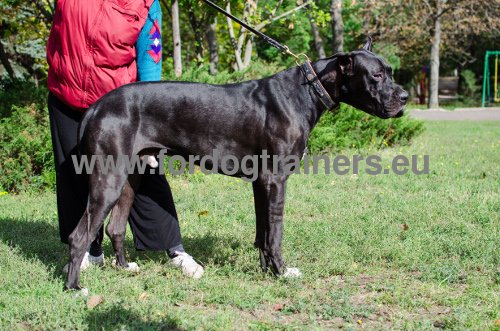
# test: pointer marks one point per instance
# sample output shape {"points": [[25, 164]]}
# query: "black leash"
{"points": [[306, 67]]}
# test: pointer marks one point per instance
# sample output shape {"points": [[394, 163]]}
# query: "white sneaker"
{"points": [[88, 260], [188, 265]]}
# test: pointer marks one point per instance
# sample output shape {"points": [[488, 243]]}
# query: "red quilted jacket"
{"points": [[91, 48]]}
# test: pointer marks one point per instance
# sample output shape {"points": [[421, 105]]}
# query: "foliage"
{"points": [[26, 154], [24, 31], [20, 93], [351, 128], [258, 69], [408, 25]]}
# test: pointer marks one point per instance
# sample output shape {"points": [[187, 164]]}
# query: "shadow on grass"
{"points": [[118, 318], [39, 239], [214, 248], [36, 239], [207, 248]]}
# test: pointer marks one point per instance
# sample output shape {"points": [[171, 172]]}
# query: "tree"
{"points": [[318, 41], [213, 47], [422, 29], [176, 34], [455, 18], [337, 26], [438, 11], [243, 58], [24, 29]]}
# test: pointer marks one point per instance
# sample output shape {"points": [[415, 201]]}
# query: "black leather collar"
{"points": [[320, 90]]}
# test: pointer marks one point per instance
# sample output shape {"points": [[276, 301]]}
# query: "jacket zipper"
{"points": [[118, 9]]}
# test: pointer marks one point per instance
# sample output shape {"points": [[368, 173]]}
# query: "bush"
{"points": [[352, 128], [26, 154], [20, 93], [469, 88], [258, 69]]}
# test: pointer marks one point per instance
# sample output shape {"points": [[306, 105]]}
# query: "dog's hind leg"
{"points": [[117, 225], [78, 242], [104, 193]]}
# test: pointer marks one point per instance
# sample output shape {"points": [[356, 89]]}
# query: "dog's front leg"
{"points": [[269, 195], [260, 203]]}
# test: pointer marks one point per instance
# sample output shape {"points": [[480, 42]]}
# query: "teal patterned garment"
{"points": [[148, 46]]}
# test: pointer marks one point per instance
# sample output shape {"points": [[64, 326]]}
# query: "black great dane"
{"points": [[275, 114]]}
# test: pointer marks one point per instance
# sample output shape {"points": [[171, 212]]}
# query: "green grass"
{"points": [[383, 252]]}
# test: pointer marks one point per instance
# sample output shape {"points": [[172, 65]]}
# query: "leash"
{"points": [[306, 67]]}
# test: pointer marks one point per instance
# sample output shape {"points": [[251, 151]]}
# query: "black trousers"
{"points": [[153, 218]]}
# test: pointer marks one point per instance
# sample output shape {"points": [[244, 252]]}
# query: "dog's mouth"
{"points": [[392, 112], [400, 112]]}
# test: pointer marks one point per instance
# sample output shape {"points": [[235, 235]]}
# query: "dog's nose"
{"points": [[404, 96]]}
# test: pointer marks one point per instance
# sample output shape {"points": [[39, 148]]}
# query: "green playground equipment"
{"points": [[486, 79]]}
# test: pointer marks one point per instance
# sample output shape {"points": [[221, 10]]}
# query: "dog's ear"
{"points": [[368, 45], [345, 64]]}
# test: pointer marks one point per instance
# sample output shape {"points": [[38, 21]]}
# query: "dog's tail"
{"points": [[81, 128]]}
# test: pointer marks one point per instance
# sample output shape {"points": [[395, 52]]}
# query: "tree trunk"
{"points": [[247, 58], [318, 42], [176, 39], [244, 37], [436, 42], [213, 47], [4, 58], [232, 38], [337, 26], [197, 27]]}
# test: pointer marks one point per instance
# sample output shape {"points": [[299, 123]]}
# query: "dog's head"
{"points": [[364, 80]]}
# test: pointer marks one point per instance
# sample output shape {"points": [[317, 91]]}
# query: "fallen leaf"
{"points": [[497, 322], [93, 301], [203, 213], [143, 296], [439, 324], [278, 307]]}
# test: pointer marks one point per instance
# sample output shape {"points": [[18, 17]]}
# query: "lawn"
{"points": [[377, 252]]}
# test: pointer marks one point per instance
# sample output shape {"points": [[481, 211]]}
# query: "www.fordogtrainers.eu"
{"points": [[250, 166]]}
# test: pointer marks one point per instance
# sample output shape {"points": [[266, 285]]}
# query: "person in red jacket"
{"points": [[94, 47]]}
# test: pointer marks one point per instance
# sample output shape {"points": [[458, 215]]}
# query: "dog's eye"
{"points": [[378, 76]]}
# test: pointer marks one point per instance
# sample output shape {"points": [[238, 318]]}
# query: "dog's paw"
{"points": [[292, 273]]}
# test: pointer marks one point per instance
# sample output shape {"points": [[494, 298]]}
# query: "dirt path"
{"points": [[459, 114]]}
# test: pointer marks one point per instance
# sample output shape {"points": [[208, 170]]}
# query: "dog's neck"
{"points": [[326, 73]]}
